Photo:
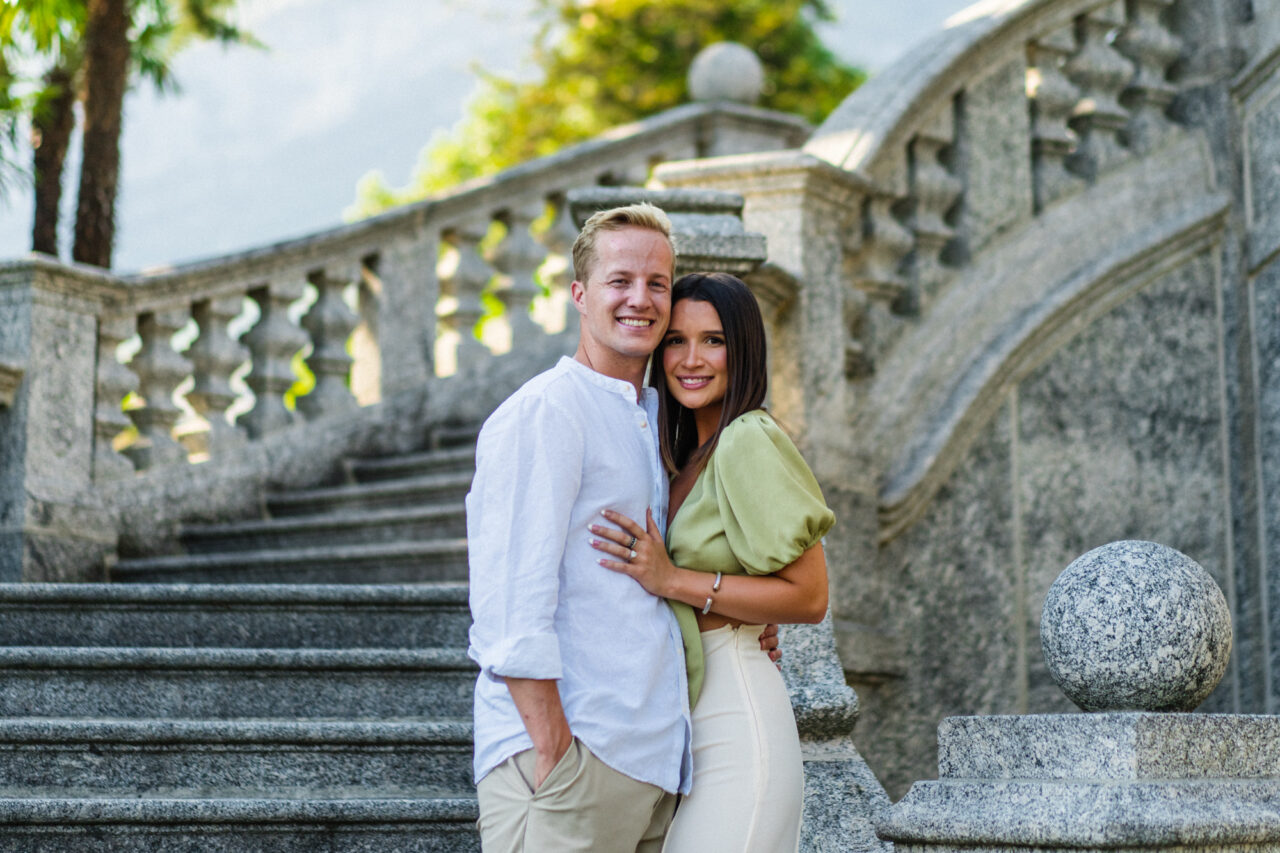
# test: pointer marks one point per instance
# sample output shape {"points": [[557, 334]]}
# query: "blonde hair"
{"points": [[642, 215]]}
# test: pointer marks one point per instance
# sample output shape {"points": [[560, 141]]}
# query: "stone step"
{"points": [[212, 683], [388, 758], [379, 563], [429, 462], [455, 435], [399, 616], [358, 527], [427, 490], [421, 824]]}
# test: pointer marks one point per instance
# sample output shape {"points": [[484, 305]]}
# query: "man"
{"points": [[582, 735]]}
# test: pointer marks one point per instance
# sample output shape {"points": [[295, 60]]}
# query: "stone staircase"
{"points": [[297, 682]]}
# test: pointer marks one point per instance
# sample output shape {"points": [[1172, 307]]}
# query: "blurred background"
{"points": [[261, 144]]}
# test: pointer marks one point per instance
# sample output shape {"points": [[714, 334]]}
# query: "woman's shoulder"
{"points": [[754, 429]]}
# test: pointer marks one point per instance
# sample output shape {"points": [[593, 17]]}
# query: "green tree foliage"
{"points": [[49, 45], [608, 62]]}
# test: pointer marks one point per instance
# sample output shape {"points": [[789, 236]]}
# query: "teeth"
{"points": [[636, 323]]}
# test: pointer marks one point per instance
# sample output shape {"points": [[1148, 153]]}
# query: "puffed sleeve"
{"points": [[770, 503]]}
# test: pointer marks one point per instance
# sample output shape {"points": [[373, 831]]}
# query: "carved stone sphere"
{"points": [[726, 71], [1136, 626]]}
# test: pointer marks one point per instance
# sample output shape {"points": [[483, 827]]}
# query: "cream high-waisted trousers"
{"points": [[748, 779]]}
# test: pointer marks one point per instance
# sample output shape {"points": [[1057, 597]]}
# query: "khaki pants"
{"points": [[583, 805]]}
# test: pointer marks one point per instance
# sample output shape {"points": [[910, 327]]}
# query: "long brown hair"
{"points": [[747, 366]]}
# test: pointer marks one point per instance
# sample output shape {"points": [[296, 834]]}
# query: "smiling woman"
{"points": [[745, 508]]}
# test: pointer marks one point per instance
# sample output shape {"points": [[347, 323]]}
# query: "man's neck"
{"points": [[614, 366]]}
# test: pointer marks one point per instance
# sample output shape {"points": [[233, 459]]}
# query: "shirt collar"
{"points": [[617, 386]]}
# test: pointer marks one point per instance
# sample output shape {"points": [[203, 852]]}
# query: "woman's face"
{"points": [[695, 358]]}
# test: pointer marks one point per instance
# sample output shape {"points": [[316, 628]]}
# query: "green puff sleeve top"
{"points": [[754, 509]]}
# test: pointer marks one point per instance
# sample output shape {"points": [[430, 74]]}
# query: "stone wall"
{"points": [[1119, 435]]}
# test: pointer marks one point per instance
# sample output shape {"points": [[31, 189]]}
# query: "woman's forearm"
{"points": [[796, 593]]}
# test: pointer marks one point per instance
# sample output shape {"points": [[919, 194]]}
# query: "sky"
{"points": [[262, 145]]}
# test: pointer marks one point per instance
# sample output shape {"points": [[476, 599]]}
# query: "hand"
{"points": [[769, 642], [651, 567], [548, 760]]}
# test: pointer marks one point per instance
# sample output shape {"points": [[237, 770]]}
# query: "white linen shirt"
{"points": [[570, 443]]}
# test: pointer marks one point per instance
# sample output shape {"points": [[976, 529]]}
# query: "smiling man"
{"points": [[582, 735]]}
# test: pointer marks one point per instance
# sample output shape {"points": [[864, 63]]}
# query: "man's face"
{"points": [[626, 302]]}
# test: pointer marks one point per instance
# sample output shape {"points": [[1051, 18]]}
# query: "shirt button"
{"points": [[644, 425]]}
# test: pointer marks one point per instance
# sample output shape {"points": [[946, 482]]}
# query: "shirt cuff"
{"points": [[528, 656]]}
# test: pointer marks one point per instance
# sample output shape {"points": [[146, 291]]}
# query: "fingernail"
{"points": [[595, 528]]}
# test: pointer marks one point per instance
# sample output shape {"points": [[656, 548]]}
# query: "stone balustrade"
{"points": [[104, 375], [430, 264], [967, 137]]}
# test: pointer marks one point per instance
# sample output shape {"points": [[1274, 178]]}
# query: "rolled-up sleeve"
{"points": [[528, 474]]}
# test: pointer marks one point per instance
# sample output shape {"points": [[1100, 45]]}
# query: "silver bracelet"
{"points": [[715, 587]]}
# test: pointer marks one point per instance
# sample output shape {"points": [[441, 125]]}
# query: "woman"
{"points": [[744, 528]]}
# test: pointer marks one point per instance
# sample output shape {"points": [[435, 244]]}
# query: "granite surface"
{"points": [[1110, 746], [955, 604], [1262, 135], [726, 71], [1134, 781], [1140, 458], [1266, 304], [1135, 626], [994, 137]]}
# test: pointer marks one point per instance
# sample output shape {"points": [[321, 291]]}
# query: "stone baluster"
{"points": [[159, 369], [216, 355], [464, 277], [518, 257], [558, 239], [330, 323], [934, 190], [1153, 48], [1101, 73], [272, 342], [886, 242], [114, 381], [1053, 97]]}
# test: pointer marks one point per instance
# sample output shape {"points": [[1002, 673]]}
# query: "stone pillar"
{"points": [[1137, 634], [934, 189], [1152, 48], [558, 238], [272, 342], [52, 528], [115, 381], [1101, 73], [215, 355], [465, 279], [398, 305], [329, 323], [1053, 98], [160, 370], [518, 257]]}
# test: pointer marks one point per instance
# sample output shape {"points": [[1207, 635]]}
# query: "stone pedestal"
{"points": [[1133, 780], [842, 797], [1128, 629], [49, 518]]}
